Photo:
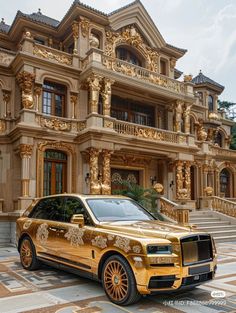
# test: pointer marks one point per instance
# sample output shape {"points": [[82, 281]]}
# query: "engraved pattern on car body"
{"points": [[75, 236], [136, 249], [42, 233], [100, 242], [122, 243], [27, 224]]}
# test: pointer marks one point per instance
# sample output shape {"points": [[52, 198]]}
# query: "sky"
{"points": [[206, 28]]}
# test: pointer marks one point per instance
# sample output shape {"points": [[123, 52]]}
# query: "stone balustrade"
{"points": [[224, 206], [52, 54], [145, 132], [141, 73], [223, 152], [59, 123], [178, 213]]}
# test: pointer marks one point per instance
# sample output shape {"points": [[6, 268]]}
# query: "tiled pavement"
{"points": [[51, 291]]}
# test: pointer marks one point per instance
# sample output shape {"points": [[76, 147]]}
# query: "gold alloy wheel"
{"points": [[26, 253], [115, 280]]}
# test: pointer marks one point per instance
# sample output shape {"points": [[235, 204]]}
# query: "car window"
{"points": [[117, 210], [75, 206], [49, 209]]}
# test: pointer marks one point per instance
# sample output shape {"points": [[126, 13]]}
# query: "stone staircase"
{"points": [[218, 225]]}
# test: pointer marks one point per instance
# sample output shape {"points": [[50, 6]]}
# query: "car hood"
{"points": [[149, 229]]}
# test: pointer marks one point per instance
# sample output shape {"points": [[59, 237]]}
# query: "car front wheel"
{"points": [[119, 282], [28, 255]]}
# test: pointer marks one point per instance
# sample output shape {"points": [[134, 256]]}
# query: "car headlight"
{"points": [[162, 249]]}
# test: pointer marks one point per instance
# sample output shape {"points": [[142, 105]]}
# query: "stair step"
{"points": [[210, 219], [220, 223], [217, 227], [223, 232], [224, 238]]}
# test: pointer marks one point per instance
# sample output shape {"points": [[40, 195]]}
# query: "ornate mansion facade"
{"points": [[96, 98]]}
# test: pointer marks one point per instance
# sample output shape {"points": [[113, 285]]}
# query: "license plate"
{"points": [[199, 270]]}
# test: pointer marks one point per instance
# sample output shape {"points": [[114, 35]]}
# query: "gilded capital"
{"points": [[84, 24], [25, 81], [25, 150]]}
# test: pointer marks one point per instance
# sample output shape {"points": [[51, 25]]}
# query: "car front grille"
{"points": [[159, 282], [196, 249], [192, 280]]}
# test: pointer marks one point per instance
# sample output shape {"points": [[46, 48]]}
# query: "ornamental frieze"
{"points": [[52, 55], [5, 58], [55, 124]]}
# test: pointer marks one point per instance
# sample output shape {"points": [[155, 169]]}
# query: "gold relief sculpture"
{"points": [[58, 145], [6, 58], [25, 81], [106, 168], [95, 186], [25, 150], [100, 242], [55, 124], [106, 95], [187, 178], [214, 116], [178, 115], [179, 178], [110, 237], [201, 132], [84, 24], [186, 115], [42, 234], [108, 124], [81, 125], [2, 126], [75, 236], [94, 82], [122, 243], [50, 54]]}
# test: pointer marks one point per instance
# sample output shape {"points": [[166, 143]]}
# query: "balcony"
{"points": [[148, 133], [51, 54]]}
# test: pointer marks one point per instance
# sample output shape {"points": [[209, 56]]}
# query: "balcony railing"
{"points": [[223, 152], [52, 54], [138, 72], [145, 132], [224, 206]]}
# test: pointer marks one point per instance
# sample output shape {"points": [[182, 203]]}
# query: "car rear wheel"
{"points": [[119, 282], [28, 255]]}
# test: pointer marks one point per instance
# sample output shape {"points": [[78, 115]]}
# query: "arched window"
{"points": [[55, 169], [54, 98], [127, 55], [219, 139], [210, 103], [225, 183]]}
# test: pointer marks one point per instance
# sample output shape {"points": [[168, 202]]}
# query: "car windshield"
{"points": [[118, 210]]}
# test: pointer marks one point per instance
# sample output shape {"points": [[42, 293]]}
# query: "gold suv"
{"points": [[114, 240]]}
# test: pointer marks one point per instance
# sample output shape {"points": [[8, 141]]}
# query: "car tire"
{"points": [[28, 255], [119, 282]]}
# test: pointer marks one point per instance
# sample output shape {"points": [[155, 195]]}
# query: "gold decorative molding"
{"points": [[81, 125], [106, 95], [51, 54], [95, 185], [25, 150], [25, 81], [94, 82], [188, 78], [201, 132], [84, 24], [131, 36], [55, 124], [106, 172], [108, 124]]}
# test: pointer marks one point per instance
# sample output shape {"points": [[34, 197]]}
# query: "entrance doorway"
{"points": [[225, 183]]}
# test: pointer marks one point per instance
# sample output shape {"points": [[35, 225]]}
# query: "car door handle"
{"points": [[53, 228], [61, 230]]}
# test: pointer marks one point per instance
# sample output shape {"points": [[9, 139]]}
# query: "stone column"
{"points": [[25, 153], [73, 101], [94, 89], [37, 93], [25, 81], [186, 116], [178, 115], [187, 178], [205, 173], [217, 182], [6, 99], [106, 96], [106, 172], [95, 186], [179, 179], [75, 29]]}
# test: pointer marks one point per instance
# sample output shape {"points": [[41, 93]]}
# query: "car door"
{"points": [[75, 241], [47, 217]]}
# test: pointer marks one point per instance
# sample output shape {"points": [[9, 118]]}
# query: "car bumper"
{"points": [[158, 279]]}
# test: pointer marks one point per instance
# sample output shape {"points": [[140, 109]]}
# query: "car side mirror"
{"points": [[77, 219]]}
